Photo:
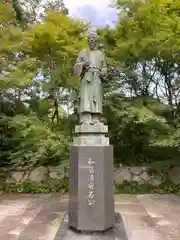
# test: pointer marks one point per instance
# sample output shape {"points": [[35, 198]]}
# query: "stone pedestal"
{"points": [[91, 192]]}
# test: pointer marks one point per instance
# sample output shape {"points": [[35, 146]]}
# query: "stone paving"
{"points": [[38, 217]]}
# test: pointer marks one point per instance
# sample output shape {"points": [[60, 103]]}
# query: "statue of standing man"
{"points": [[91, 68]]}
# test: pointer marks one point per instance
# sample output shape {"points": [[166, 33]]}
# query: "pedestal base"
{"points": [[91, 196], [66, 233]]}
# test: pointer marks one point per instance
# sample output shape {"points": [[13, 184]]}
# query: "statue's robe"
{"points": [[91, 90]]}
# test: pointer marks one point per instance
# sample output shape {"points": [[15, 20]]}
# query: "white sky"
{"points": [[97, 11], [73, 5]]}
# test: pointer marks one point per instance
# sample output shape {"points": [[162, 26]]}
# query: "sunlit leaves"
{"points": [[40, 144], [7, 14], [149, 29], [56, 43]]}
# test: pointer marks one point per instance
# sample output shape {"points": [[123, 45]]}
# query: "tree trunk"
{"points": [[56, 112]]}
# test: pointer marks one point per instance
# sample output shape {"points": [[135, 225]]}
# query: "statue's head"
{"points": [[92, 40]]}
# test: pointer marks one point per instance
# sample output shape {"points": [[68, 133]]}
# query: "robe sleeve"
{"points": [[103, 66], [78, 67]]}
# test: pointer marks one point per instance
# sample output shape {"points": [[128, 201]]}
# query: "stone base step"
{"points": [[66, 233]]}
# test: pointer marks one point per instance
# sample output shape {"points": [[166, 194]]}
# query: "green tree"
{"points": [[36, 76], [55, 44], [147, 44], [142, 107]]}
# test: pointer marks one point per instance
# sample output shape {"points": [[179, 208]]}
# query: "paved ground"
{"points": [[38, 217]]}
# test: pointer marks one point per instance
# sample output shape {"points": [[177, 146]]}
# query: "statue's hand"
{"points": [[86, 64], [102, 76]]}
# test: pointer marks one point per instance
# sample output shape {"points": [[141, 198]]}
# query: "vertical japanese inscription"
{"points": [[91, 182]]}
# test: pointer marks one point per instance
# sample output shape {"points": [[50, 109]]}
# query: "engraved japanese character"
{"points": [[91, 170], [91, 202], [91, 178], [91, 194], [91, 186], [90, 162]]}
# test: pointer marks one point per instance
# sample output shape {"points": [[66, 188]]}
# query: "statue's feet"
{"points": [[97, 122], [91, 122], [85, 122]]}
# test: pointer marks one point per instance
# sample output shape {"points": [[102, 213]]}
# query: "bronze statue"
{"points": [[91, 68]]}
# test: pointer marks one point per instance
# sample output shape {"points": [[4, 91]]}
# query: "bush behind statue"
{"points": [[29, 141]]}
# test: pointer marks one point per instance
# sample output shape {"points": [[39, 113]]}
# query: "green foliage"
{"points": [[6, 14], [62, 187], [147, 48], [19, 11], [28, 141], [55, 43], [135, 188], [16, 69], [141, 106], [142, 111], [136, 127], [27, 187], [35, 77], [149, 29]]}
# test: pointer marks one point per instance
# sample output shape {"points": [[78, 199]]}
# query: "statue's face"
{"points": [[92, 40]]}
